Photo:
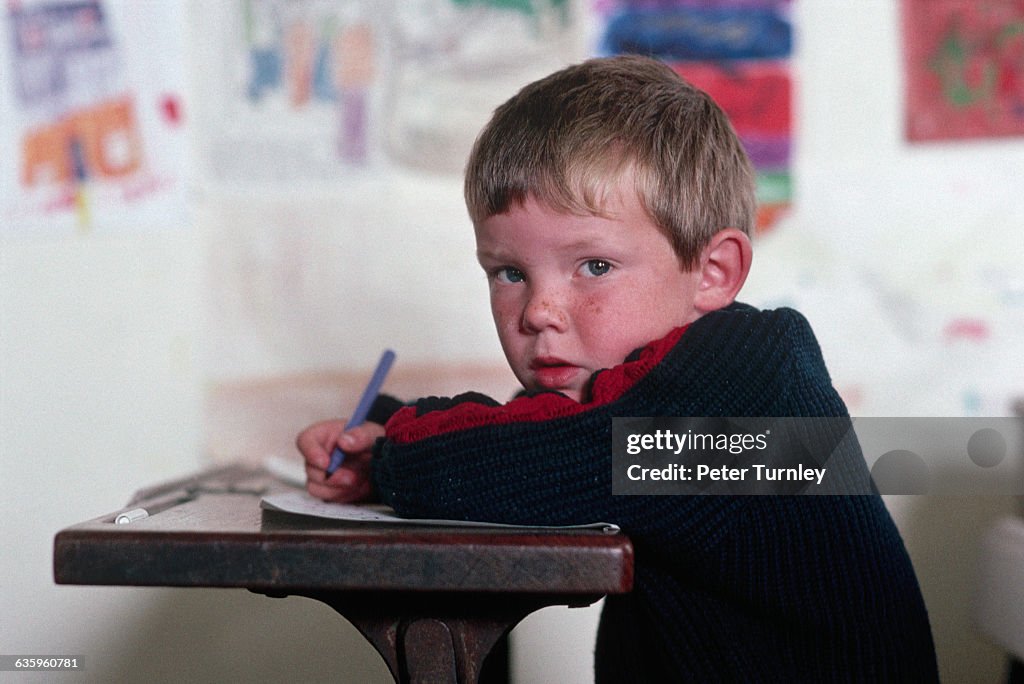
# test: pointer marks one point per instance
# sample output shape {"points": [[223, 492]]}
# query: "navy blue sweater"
{"points": [[727, 588]]}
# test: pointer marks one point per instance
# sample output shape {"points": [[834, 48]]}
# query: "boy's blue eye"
{"points": [[509, 275], [597, 267]]}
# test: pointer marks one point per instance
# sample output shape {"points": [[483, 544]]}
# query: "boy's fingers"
{"points": [[307, 440], [317, 441], [349, 483], [342, 477], [317, 457], [350, 440], [322, 437], [361, 437], [325, 492]]}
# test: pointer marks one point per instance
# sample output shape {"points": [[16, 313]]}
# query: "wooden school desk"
{"points": [[432, 600]]}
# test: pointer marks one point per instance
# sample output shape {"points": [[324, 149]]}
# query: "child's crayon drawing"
{"points": [[454, 61], [299, 77], [716, 32], [77, 141], [737, 51], [964, 63]]}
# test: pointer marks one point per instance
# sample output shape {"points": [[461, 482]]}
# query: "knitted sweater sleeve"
{"points": [[735, 362]]}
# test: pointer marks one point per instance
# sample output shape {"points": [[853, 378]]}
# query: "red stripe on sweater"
{"points": [[406, 427]]}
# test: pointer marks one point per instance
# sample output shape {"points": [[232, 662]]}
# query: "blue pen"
{"points": [[363, 408]]}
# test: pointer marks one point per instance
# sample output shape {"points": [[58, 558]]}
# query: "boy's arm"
{"points": [[557, 471]]}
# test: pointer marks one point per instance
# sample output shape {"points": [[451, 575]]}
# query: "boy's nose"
{"points": [[544, 310]]}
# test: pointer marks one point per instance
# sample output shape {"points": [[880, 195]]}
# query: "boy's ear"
{"points": [[724, 265]]}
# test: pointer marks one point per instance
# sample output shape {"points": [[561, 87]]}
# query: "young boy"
{"points": [[612, 205]]}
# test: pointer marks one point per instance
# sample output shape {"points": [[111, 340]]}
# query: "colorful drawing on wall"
{"points": [[964, 62], [312, 53], [291, 97], [90, 144], [454, 61], [736, 50], [317, 91]]}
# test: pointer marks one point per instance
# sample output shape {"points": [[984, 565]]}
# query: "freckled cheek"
{"points": [[506, 313], [612, 322], [593, 306], [591, 322], [608, 305]]}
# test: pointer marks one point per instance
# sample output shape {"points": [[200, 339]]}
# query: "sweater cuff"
{"points": [[384, 406]]}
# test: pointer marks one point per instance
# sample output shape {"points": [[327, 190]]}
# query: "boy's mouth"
{"points": [[553, 373]]}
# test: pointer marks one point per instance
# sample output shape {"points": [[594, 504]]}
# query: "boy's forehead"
{"points": [[535, 223], [599, 197], [513, 239]]}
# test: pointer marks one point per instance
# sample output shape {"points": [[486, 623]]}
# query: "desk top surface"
{"points": [[209, 531]]}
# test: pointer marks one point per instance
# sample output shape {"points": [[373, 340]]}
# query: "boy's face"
{"points": [[574, 294]]}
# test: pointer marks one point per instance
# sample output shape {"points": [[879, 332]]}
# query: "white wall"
{"points": [[105, 356], [100, 394]]}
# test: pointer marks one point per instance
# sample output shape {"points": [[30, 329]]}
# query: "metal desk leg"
{"points": [[428, 639]]}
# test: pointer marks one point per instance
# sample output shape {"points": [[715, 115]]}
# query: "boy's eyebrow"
{"points": [[596, 243], [490, 255], [591, 241]]}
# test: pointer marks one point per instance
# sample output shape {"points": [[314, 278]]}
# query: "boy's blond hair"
{"points": [[568, 138]]}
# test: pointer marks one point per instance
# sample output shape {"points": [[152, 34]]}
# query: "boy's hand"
{"points": [[350, 482]]}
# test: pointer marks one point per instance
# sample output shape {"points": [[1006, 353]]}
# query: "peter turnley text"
{"points": [[725, 453], [706, 473]]}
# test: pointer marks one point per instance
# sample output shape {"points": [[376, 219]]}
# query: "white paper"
{"points": [[301, 503]]}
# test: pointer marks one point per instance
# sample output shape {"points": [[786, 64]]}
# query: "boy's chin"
{"points": [[574, 394]]}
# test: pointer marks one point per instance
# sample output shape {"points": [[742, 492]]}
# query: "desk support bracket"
{"points": [[421, 637]]}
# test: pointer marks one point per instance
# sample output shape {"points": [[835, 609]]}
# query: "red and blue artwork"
{"points": [[964, 64], [738, 51]]}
